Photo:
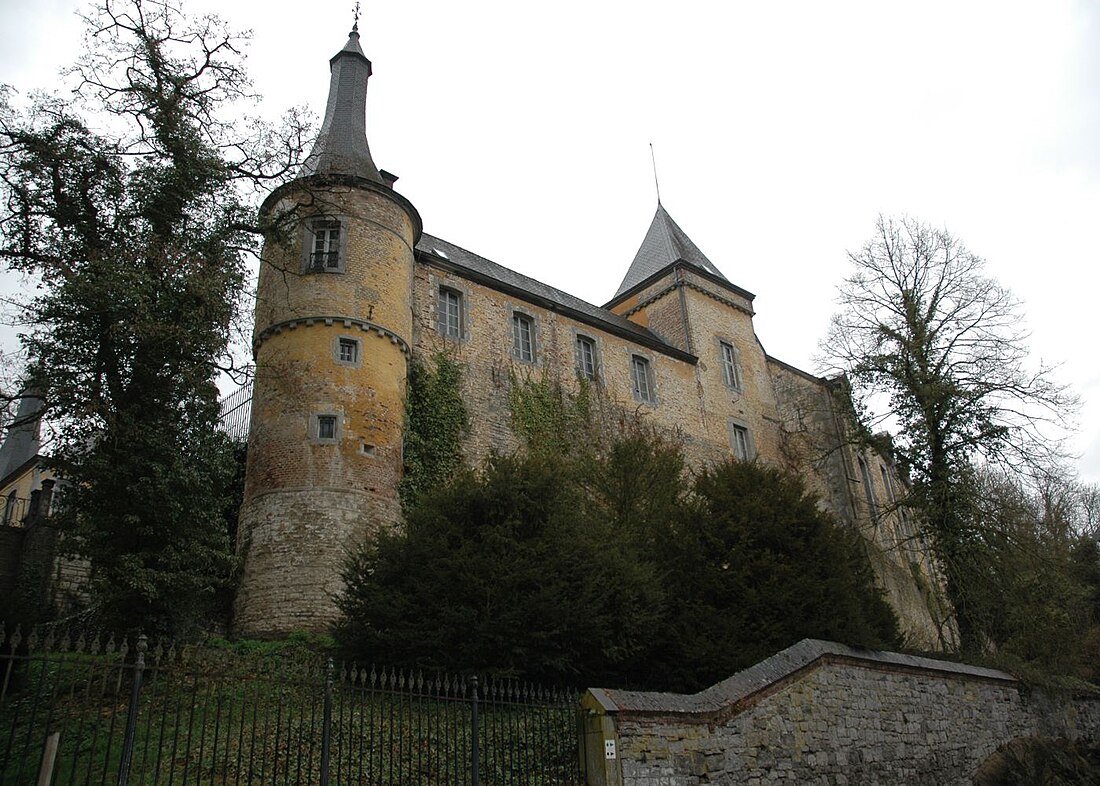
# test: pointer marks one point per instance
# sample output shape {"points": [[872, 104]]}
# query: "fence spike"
{"points": [[66, 640], [81, 642], [419, 681], [47, 643], [32, 640], [124, 648], [110, 647], [373, 676]]}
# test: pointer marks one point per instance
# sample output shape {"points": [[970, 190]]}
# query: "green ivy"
{"points": [[549, 417], [435, 420]]}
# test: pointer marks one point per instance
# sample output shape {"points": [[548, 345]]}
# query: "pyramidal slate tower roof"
{"points": [[664, 244], [341, 147]]}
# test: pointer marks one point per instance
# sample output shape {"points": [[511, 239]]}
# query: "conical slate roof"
{"points": [[341, 147], [22, 441], [664, 244]]}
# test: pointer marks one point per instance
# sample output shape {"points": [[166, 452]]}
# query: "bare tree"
{"points": [[921, 322]]}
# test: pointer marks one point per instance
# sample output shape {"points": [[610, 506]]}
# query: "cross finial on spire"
{"points": [[355, 12]]}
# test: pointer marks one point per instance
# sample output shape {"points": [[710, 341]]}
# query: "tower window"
{"points": [[731, 373], [348, 350], [586, 358], [642, 374], [324, 251], [523, 338], [449, 312], [326, 428]]}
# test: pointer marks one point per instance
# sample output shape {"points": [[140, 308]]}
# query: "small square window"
{"points": [[324, 254], [326, 427], [449, 313], [586, 358], [642, 375], [348, 350], [731, 373], [523, 338]]}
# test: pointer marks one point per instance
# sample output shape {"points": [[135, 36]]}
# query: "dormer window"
{"points": [[323, 252]]}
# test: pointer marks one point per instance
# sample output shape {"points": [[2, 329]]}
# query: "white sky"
{"points": [[521, 131]]}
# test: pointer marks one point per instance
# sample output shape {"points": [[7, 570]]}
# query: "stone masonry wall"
{"points": [[821, 713]]}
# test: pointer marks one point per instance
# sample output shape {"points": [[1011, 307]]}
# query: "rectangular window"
{"points": [[326, 246], [449, 313], [643, 379], [868, 488], [349, 350], [326, 427], [887, 484], [586, 358], [523, 338], [739, 442], [730, 372]]}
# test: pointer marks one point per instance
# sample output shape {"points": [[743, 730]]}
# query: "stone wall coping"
{"points": [[808, 653]]}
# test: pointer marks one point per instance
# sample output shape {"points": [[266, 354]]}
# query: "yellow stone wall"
{"points": [[309, 501]]}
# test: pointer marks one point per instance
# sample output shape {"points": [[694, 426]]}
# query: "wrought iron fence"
{"points": [[88, 710]]}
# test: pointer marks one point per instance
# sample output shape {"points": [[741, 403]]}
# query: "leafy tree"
{"points": [[754, 566], [599, 567], [1022, 579], [138, 237], [921, 321], [501, 571]]}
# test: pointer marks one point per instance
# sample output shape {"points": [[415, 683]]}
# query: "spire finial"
{"points": [[656, 182], [355, 12]]}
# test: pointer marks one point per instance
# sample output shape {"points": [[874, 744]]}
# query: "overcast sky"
{"points": [[521, 131]]}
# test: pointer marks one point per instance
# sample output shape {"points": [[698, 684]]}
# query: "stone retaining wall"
{"points": [[823, 713]]}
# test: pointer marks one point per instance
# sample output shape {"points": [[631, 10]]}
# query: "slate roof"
{"points": [[341, 147], [664, 244], [22, 443], [482, 270], [776, 668]]}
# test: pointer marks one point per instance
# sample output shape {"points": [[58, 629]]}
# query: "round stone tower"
{"points": [[331, 344]]}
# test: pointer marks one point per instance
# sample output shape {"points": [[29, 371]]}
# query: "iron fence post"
{"points": [[326, 724], [131, 717], [474, 753]]}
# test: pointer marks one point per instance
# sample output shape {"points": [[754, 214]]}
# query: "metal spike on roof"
{"points": [[665, 243], [341, 147]]}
